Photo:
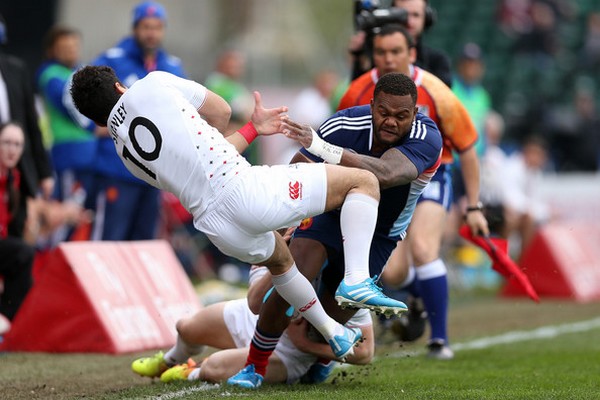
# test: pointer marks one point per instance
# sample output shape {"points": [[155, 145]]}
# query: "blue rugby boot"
{"points": [[367, 294], [343, 345], [247, 378]]}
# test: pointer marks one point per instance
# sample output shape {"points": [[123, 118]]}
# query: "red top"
{"points": [[5, 216]]}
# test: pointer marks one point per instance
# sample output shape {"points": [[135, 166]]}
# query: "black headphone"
{"points": [[430, 16]]}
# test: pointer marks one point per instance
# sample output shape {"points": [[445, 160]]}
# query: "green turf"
{"points": [[565, 367]]}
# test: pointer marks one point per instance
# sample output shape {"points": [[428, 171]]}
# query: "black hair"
{"points": [[396, 84], [94, 92], [390, 29]]}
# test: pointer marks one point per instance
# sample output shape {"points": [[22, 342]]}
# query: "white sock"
{"points": [[194, 375], [180, 353], [297, 291], [357, 221], [410, 277]]}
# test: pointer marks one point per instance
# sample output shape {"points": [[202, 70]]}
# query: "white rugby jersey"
{"points": [[161, 139]]}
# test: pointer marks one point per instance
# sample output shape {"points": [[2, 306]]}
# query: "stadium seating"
{"points": [[509, 77]]}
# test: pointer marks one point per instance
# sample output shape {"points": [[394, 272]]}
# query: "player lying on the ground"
{"points": [[230, 325], [165, 131]]}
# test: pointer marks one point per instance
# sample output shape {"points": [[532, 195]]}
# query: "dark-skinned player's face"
{"points": [[392, 118]]}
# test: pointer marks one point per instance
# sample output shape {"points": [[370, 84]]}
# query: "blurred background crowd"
{"points": [[527, 71]]}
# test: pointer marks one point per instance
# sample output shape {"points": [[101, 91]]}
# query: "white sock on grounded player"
{"points": [[180, 353], [297, 291], [357, 221], [194, 375]]}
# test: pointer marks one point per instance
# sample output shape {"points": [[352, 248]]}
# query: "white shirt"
{"points": [[162, 140], [4, 105]]}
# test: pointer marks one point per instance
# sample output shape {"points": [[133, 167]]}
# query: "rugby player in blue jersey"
{"points": [[402, 148]]}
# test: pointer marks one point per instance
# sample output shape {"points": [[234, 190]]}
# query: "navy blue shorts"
{"points": [[439, 190]]}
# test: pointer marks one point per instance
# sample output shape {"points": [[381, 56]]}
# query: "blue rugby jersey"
{"points": [[352, 129]]}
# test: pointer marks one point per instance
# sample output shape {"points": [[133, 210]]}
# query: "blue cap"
{"points": [[149, 9], [471, 51]]}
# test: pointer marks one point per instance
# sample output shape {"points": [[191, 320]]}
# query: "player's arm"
{"points": [[215, 111], [363, 353], [469, 167], [392, 169]]}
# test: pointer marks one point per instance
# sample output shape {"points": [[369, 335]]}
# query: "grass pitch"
{"points": [[505, 349]]}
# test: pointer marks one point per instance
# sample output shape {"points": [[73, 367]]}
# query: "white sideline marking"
{"points": [[204, 387], [544, 332]]}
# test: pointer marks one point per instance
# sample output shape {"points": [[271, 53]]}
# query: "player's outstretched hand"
{"points": [[267, 121], [302, 133]]}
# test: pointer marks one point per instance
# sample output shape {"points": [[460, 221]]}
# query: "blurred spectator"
{"points": [[17, 104], [16, 255], [542, 41], [73, 142], [128, 208], [226, 81], [575, 131], [467, 86], [525, 209], [514, 17], [590, 52], [313, 105]]}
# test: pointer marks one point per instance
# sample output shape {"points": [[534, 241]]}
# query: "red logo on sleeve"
{"points": [[295, 190]]}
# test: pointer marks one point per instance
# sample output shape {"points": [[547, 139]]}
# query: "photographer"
{"points": [[416, 15]]}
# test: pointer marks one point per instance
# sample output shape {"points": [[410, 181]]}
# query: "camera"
{"points": [[368, 15]]}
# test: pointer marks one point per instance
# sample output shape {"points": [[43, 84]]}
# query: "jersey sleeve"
{"points": [[424, 144], [192, 91]]}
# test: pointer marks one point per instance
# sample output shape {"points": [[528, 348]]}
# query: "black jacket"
{"points": [[434, 61], [35, 164]]}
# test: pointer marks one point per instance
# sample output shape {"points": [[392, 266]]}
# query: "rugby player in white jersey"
{"points": [[165, 131]]}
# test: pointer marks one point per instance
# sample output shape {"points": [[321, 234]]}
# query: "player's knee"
{"points": [[281, 259], [369, 181], [422, 250], [184, 329]]}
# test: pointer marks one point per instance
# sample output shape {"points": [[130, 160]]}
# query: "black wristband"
{"points": [[476, 207]]}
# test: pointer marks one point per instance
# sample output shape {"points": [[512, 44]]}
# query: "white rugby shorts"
{"points": [[241, 219]]}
